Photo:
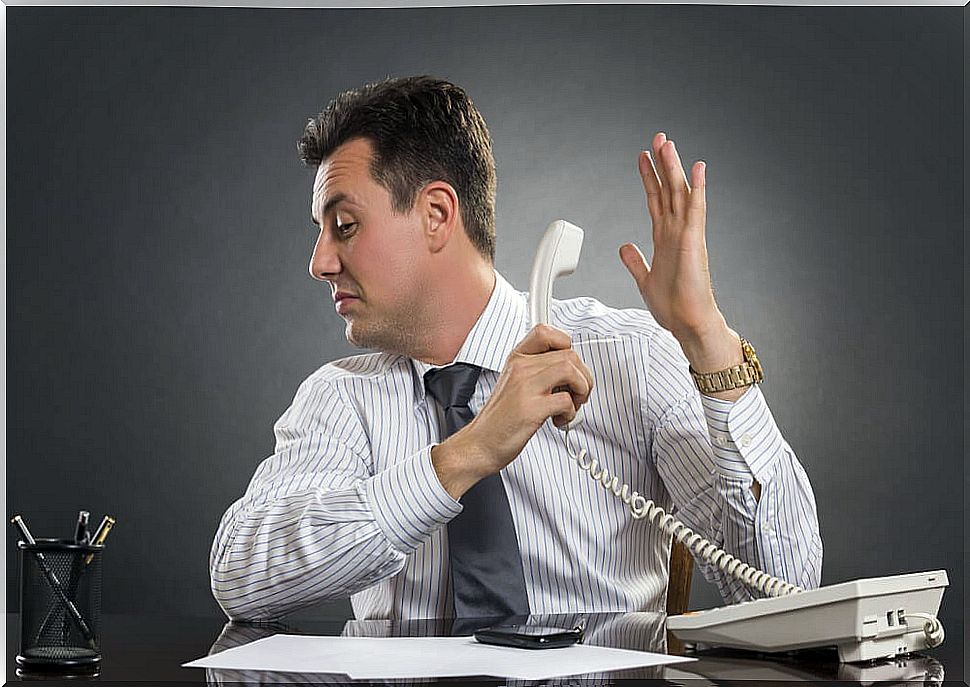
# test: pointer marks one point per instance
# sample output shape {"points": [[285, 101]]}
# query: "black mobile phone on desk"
{"points": [[529, 636]]}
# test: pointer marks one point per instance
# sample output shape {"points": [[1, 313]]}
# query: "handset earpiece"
{"points": [[557, 256]]}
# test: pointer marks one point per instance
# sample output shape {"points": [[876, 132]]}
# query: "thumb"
{"points": [[635, 264]]}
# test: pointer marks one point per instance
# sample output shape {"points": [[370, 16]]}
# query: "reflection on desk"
{"points": [[806, 665], [636, 631], [140, 647]]}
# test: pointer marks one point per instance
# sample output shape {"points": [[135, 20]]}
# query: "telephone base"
{"points": [[866, 619], [881, 648]]}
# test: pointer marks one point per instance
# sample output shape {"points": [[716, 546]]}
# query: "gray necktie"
{"points": [[486, 568]]}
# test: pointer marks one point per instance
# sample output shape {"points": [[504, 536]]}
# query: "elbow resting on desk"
{"points": [[270, 561]]}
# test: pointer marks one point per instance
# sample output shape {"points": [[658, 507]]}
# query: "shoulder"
{"points": [[338, 394], [354, 370], [365, 366], [588, 316]]}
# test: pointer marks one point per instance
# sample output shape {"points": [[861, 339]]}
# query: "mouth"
{"points": [[343, 302]]}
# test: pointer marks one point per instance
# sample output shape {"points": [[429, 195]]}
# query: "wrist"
{"points": [[459, 464], [712, 347]]}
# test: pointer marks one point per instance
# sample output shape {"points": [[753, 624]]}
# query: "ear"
{"points": [[439, 204]]}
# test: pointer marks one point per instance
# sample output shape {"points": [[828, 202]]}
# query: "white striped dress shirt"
{"points": [[349, 504]]}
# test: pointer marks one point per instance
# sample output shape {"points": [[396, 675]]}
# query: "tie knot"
{"points": [[452, 386]]}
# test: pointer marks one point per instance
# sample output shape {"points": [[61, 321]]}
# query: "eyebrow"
{"points": [[329, 205]]}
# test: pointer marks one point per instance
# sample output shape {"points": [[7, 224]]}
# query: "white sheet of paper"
{"points": [[414, 657]]}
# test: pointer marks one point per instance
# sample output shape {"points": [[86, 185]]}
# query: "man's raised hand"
{"points": [[676, 286]]}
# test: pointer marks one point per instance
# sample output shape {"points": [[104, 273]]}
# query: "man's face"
{"points": [[371, 256]]}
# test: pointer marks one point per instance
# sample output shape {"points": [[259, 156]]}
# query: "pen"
{"points": [[24, 532], [52, 580], [81, 535], [100, 535]]}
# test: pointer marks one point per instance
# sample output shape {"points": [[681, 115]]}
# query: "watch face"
{"points": [[752, 358]]}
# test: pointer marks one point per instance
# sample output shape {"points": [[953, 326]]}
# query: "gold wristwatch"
{"points": [[747, 373]]}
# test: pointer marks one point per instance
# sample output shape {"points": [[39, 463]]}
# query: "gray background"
{"points": [[160, 315]]}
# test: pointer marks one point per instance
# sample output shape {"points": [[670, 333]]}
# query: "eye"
{"points": [[346, 229]]}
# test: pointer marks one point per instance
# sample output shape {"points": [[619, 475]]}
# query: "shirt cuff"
{"points": [[744, 436], [408, 501]]}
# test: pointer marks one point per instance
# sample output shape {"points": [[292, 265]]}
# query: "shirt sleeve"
{"points": [[315, 524], [708, 453]]}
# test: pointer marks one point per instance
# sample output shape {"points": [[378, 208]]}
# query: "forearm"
{"points": [[716, 348], [779, 531], [272, 559], [275, 554], [779, 534], [710, 454]]}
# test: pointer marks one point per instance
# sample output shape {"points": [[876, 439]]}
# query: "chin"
{"points": [[364, 337], [384, 337]]}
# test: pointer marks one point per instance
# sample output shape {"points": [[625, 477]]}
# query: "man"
{"points": [[424, 480]]}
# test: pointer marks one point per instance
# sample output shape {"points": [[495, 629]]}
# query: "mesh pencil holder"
{"points": [[60, 605]]}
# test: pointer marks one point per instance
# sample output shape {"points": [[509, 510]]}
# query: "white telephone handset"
{"points": [[789, 618], [557, 256]]}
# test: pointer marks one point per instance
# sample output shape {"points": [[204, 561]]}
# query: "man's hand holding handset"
{"points": [[523, 399]]}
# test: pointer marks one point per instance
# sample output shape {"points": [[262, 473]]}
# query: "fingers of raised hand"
{"points": [[676, 195], [697, 208], [677, 185], [635, 264], [652, 186], [659, 140]]}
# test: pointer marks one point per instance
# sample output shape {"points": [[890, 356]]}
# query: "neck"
{"points": [[460, 300]]}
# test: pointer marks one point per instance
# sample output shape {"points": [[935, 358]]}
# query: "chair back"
{"points": [[678, 586]]}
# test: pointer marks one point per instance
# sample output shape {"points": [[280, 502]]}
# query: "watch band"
{"points": [[747, 373]]}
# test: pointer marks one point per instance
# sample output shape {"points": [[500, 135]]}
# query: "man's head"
{"points": [[422, 129], [404, 197]]}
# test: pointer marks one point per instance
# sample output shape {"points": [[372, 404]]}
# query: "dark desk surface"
{"points": [[140, 648]]}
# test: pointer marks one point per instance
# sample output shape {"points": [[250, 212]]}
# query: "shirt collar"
{"points": [[500, 327]]}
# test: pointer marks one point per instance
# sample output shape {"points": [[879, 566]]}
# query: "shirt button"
{"points": [[721, 440], [746, 440]]}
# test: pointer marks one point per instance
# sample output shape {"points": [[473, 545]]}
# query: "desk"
{"points": [[140, 648]]}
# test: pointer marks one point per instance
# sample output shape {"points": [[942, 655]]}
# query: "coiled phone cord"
{"points": [[702, 549], [932, 628]]}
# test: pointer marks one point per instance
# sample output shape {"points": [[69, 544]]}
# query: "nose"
{"points": [[325, 262]]}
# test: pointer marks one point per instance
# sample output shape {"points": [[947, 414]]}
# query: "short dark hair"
{"points": [[422, 129]]}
